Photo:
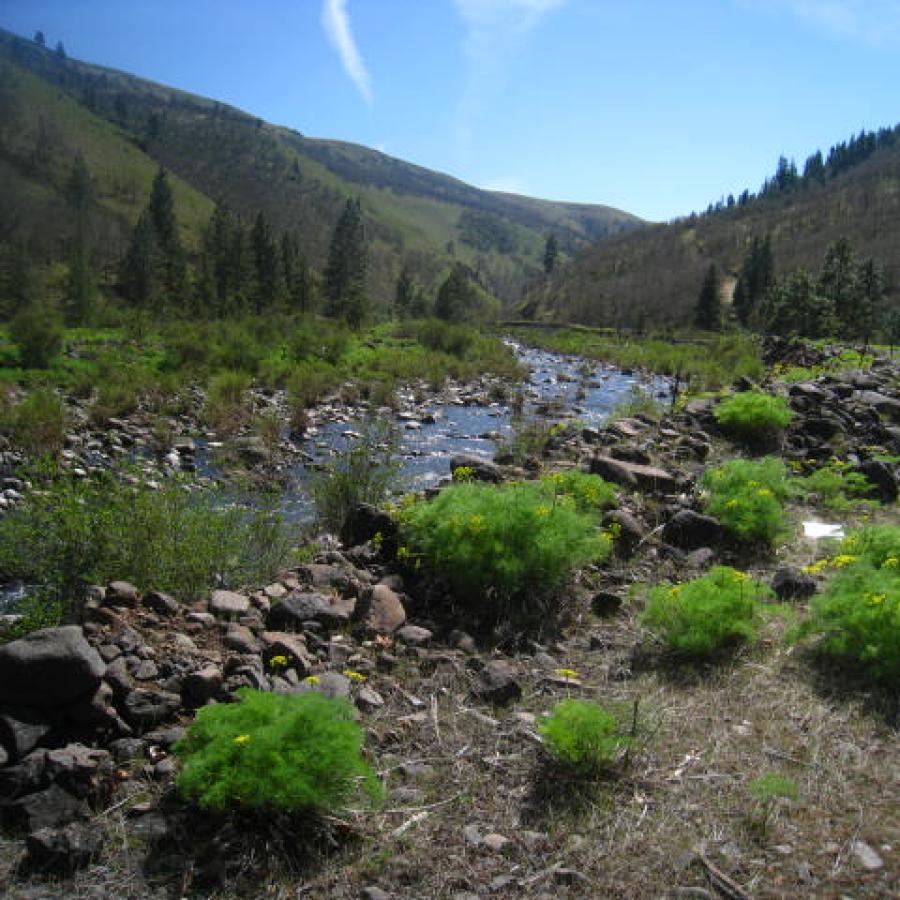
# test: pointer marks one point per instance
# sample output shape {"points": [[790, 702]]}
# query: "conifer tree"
{"points": [[345, 270], [708, 312], [455, 297], [840, 283], [265, 265], [162, 215], [405, 293], [551, 252], [139, 272]]}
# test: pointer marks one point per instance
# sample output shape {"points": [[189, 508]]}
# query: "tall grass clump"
{"points": [[746, 496], [835, 487], [227, 406], [75, 533], [363, 473], [504, 550], [754, 417], [37, 332], [703, 616], [275, 752], [856, 617], [37, 424], [583, 737]]}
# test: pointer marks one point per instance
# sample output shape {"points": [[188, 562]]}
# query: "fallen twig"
{"points": [[409, 823], [725, 885]]}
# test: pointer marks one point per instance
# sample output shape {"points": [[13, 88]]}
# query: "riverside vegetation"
{"points": [[550, 604]]}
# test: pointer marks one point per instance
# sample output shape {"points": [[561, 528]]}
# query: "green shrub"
{"points": [[700, 617], [589, 492], [309, 382], [37, 425], [37, 331], [857, 615], [506, 549], [746, 496], [275, 752], [583, 737], [227, 407], [363, 473], [836, 488], [770, 786], [753, 416], [75, 533]]}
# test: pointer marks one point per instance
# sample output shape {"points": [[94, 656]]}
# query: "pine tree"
{"points": [[756, 277], [39, 39], [840, 283], [345, 270], [870, 313], [455, 297], [794, 307], [551, 252], [405, 293], [708, 312], [162, 215], [140, 266], [265, 265]]}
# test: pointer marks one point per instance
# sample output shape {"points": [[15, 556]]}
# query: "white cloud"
{"points": [[495, 32], [336, 22], [875, 23]]}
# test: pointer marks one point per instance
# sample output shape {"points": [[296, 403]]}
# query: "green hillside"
{"points": [[125, 127], [653, 276]]}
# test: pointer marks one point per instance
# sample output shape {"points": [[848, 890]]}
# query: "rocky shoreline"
{"points": [[89, 712]]}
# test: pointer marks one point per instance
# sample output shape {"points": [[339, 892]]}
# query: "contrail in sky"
{"points": [[336, 22]]}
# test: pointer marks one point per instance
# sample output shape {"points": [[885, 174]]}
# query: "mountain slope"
{"points": [[653, 277], [122, 123]]}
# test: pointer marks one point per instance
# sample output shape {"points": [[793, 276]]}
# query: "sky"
{"points": [[657, 107]]}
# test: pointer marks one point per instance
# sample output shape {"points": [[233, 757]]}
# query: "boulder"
{"points": [[364, 522], [61, 851], [145, 708], [690, 530], [379, 610], [414, 635], [48, 668], [496, 682], [291, 646], [792, 584], [121, 593], [634, 475], [77, 768], [482, 469], [228, 604], [201, 686], [160, 603], [629, 531], [881, 475], [304, 606], [20, 732], [50, 808]]}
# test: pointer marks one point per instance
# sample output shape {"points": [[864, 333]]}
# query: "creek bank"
{"points": [[90, 712]]}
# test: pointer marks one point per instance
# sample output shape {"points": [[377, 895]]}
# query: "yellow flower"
{"points": [[891, 563], [731, 504], [241, 739], [843, 559], [403, 553], [312, 679], [763, 492], [354, 676], [741, 576], [542, 511], [464, 473], [815, 568], [675, 590], [568, 674], [476, 523], [278, 661], [876, 599]]}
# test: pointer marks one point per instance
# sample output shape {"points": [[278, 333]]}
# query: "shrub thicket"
{"points": [[504, 550], [754, 417], [857, 615], [37, 332], [275, 752], [583, 737], [746, 496], [700, 617], [75, 533], [36, 425], [836, 488], [590, 493]]}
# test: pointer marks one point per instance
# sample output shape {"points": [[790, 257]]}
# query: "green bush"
{"points": [[75, 533], [506, 549], [857, 615], [363, 473], [310, 381], [835, 488], [227, 407], [275, 752], [589, 492], [700, 617], [37, 425], [583, 737], [746, 496], [37, 331], [753, 416]]}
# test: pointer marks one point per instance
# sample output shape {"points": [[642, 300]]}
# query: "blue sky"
{"points": [[654, 106]]}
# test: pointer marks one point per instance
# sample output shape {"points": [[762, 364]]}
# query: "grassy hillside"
{"points": [[126, 127], [654, 276]]}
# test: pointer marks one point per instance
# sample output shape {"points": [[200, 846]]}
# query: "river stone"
{"points": [[496, 683], [882, 478], [291, 646], [790, 583], [121, 593], [49, 668], [50, 808], [886, 406], [160, 603], [145, 708], [202, 686], [690, 530], [304, 606], [414, 635], [379, 610], [61, 851], [634, 475], [21, 732], [630, 531], [226, 604], [482, 469], [364, 522], [75, 767]]}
